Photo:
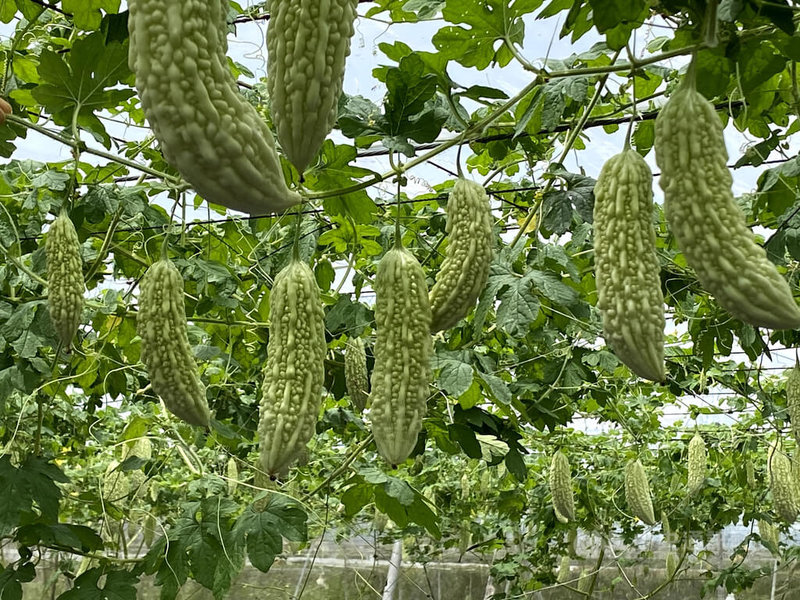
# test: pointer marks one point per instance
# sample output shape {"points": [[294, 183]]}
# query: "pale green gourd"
{"points": [[308, 42], [65, 284], [561, 488], [793, 400], [232, 475], [672, 564], [207, 130], [402, 373], [468, 256], [166, 353], [769, 534], [563, 573], [627, 270], [637, 492], [291, 394], [355, 372], [782, 485], [708, 225], [697, 457]]}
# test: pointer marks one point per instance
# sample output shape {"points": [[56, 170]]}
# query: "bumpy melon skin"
{"points": [[291, 394], [563, 573], [707, 223], [769, 534], [308, 42], [783, 486], [697, 463], [637, 492], [166, 353], [355, 372], [793, 400], [627, 270], [672, 563], [207, 130], [470, 248], [403, 346], [65, 284], [561, 488]]}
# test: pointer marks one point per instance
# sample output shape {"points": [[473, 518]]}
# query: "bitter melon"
{"points": [[291, 394], [696, 463], [65, 285], [708, 225], [782, 485], [769, 535], [563, 573], [627, 270], [470, 246], [793, 400], [232, 475], [207, 130], [161, 323], [402, 351], [637, 492], [672, 564], [561, 488], [355, 372], [308, 42]]}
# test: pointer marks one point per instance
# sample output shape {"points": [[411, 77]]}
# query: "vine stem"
{"points": [[106, 242], [576, 131], [342, 468], [479, 126], [101, 153]]}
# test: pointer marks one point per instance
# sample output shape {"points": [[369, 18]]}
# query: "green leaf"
{"points": [[404, 504], [263, 532], [117, 585], [356, 497], [407, 113], [758, 61], [455, 371], [497, 386], [85, 81], [337, 170], [552, 288], [713, 72], [518, 308], [487, 22], [32, 484], [62, 535], [12, 578]]}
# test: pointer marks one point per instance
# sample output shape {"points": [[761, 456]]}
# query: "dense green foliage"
{"points": [[511, 383]]}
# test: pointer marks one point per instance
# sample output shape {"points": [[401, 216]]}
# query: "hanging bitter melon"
{"points": [[697, 456], [793, 400], [561, 488], [627, 270], [207, 130], [637, 492], [65, 284], [166, 353], [782, 484], [470, 247], [291, 394], [708, 225], [308, 42], [401, 375], [355, 372]]}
